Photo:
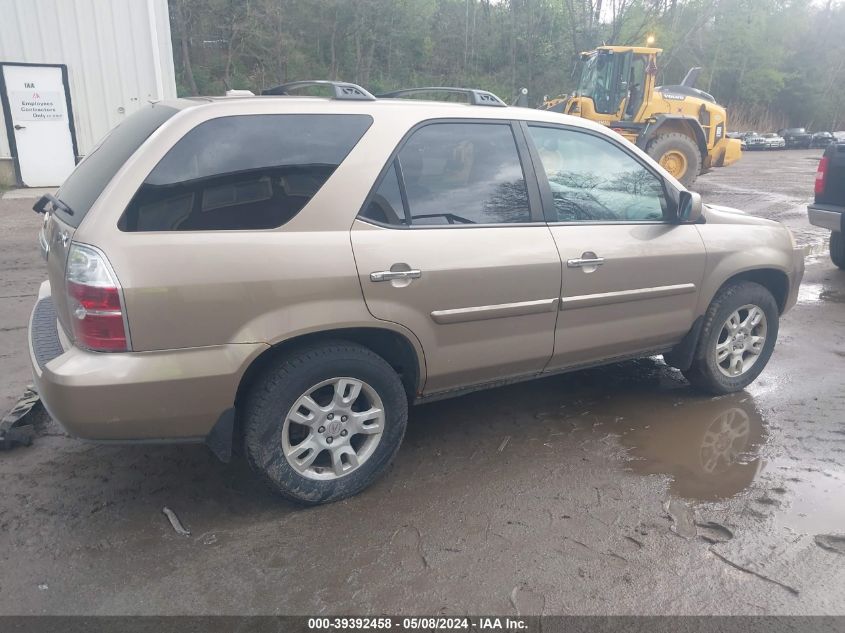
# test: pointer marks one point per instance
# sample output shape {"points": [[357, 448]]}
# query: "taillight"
{"points": [[94, 299], [821, 176]]}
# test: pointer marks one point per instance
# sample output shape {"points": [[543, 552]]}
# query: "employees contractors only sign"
{"points": [[35, 105]]}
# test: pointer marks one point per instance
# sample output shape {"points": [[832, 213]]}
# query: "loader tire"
{"points": [[678, 154]]}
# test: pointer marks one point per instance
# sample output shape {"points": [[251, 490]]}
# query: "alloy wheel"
{"points": [[741, 340], [333, 428]]}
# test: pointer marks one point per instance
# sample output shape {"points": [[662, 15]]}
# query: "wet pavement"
{"points": [[609, 491]]}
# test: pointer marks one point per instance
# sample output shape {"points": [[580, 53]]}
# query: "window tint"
{"points": [[463, 173], [82, 188], [243, 172], [592, 180]]}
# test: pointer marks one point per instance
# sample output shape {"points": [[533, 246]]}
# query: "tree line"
{"points": [[772, 62]]}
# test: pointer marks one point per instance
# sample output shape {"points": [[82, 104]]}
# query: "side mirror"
{"points": [[689, 207]]}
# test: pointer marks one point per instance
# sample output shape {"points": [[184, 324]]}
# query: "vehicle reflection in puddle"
{"points": [[711, 449], [707, 446]]}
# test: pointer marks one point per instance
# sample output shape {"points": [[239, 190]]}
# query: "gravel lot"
{"points": [[611, 491]]}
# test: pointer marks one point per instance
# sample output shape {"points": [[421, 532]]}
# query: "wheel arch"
{"points": [[678, 124], [774, 280], [396, 348]]}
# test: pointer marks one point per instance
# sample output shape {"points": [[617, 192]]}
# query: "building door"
{"points": [[38, 123]]}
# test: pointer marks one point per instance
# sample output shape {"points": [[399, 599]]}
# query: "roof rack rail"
{"points": [[341, 89], [475, 97]]}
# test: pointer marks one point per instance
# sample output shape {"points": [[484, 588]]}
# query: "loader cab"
{"points": [[618, 81]]}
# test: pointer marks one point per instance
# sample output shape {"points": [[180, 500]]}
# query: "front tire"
{"points": [[324, 422], [678, 154], [837, 249], [737, 339]]}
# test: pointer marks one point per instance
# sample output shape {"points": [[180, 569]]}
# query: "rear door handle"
{"points": [[20, 127], [580, 262], [389, 275]]}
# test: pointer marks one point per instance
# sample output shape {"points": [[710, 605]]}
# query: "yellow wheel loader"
{"points": [[681, 127]]}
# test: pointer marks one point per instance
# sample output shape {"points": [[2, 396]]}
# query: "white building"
{"points": [[71, 70]]}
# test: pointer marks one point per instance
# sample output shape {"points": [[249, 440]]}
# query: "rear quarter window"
{"points": [[82, 188], [243, 172]]}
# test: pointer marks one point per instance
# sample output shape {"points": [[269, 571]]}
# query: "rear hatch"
{"points": [[82, 188], [834, 187]]}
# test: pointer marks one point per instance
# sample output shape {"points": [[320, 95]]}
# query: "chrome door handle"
{"points": [[580, 261], [389, 275]]}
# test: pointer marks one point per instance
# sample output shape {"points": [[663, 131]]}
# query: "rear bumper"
{"points": [[170, 395], [827, 216]]}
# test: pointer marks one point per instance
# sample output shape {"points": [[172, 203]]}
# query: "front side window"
{"points": [[593, 180], [454, 173], [243, 172]]}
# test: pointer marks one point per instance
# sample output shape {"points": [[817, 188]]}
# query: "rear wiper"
{"points": [[38, 207]]}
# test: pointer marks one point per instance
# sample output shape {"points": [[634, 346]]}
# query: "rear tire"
{"points": [[837, 249], [713, 368], [667, 144], [324, 421]]}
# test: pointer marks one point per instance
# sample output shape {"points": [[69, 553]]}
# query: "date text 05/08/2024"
{"points": [[433, 623]]}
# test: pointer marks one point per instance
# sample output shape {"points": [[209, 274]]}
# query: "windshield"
{"points": [[587, 82]]}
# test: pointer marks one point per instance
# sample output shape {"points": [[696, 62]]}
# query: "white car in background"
{"points": [[753, 140], [773, 141]]}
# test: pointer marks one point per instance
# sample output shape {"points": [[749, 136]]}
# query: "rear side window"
{"points": [[82, 188], [243, 172], [453, 173]]}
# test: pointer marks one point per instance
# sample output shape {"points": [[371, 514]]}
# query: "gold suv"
{"points": [[292, 272]]}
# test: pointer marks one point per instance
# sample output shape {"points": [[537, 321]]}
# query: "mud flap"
{"points": [[219, 440], [681, 356]]}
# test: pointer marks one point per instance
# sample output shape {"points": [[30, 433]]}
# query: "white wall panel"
{"points": [[118, 54]]}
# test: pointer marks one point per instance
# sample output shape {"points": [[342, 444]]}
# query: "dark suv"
{"points": [[796, 137], [822, 139], [828, 208]]}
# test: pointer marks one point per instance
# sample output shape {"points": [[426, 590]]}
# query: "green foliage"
{"points": [[781, 59]]}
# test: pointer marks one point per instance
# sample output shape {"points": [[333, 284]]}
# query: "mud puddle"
{"points": [[710, 449]]}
